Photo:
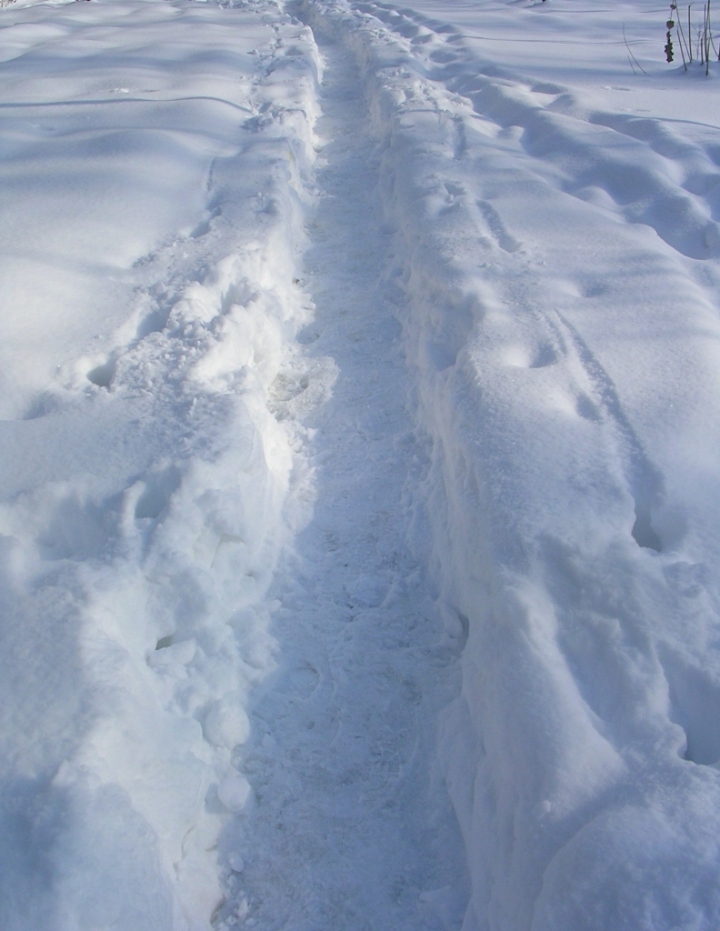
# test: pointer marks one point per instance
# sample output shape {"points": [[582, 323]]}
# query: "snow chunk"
{"points": [[234, 792]]}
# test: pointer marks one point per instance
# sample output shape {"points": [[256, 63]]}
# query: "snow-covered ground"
{"points": [[359, 530], [154, 168]]}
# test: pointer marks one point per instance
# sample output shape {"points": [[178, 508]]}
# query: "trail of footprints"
{"points": [[556, 128]]}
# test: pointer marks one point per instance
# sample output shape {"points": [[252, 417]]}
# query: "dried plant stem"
{"points": [[631, 57], [685, 49], [689, 35], [704, 41]]}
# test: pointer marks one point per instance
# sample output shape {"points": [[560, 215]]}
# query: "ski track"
{"points": [[351, 826]]}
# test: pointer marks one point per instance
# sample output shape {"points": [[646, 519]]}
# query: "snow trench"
{"points": [[350, 823]]}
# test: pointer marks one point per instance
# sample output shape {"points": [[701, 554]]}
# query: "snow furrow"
{"points": [[350, 824]]}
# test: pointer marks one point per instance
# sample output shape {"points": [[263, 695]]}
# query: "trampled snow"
{"points": [[153, 165], [360, 390]]}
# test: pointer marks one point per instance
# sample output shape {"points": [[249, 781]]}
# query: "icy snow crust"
{"points": [[360, 385]]}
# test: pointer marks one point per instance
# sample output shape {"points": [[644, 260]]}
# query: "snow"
{"points": [[151, 194], [560, 316], [359, 385]]}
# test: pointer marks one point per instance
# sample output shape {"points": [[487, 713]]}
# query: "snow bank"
{"points": [[155, 161], [559, 273]]}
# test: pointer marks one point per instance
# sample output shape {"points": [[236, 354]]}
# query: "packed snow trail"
{"points": [[351, 825]]}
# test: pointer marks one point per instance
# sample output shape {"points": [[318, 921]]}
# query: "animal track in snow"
{"points": [[497, 227]]}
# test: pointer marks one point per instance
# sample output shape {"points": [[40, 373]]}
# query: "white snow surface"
{"points": [[153, 172], [359, 516]]}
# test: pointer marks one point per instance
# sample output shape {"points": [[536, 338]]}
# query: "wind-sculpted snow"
{"points": [[557, 267], [155, 158]]}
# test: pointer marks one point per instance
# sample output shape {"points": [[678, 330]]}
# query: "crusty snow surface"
{"points": [[359, 473]]}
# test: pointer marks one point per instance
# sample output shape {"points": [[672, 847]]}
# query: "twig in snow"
{"points": [[631, 57]]}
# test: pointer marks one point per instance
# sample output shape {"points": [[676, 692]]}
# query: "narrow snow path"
{"points": [[351, 826]]}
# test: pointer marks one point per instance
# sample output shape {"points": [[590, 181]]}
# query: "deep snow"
{"points": [[359, 371], [152, 185]]}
